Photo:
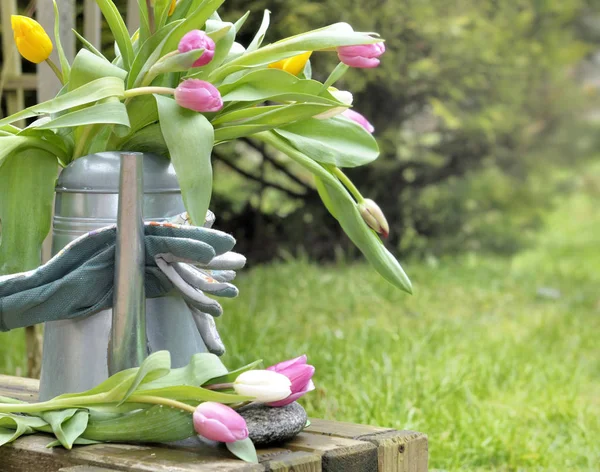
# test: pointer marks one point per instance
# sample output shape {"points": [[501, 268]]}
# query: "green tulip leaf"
{"points": [[273, 115], [239, 24], [67, 425], [148, 139], [345, 210], [243, 450], [202, 367], [155, 366], [89, 46], [13, 427], [152, 424], [337, 141], [339, 34], [118, 29], [231, 376], [113, 112], [91, 92], [188, 393], [190, 139], [88, 67], [148, 54], [261, 33], [275, 85], [27, 179]]}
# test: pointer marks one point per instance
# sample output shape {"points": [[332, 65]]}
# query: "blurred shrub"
{"points": [[470, 107]]}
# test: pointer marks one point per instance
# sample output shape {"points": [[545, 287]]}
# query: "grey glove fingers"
{"points": [[219, 241], [178, 249], [228, 261], [220, 275], [208, 331], [198, 279], [192, 296]]}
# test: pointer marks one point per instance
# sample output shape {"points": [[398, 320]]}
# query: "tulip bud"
{"points": [[264, 385], [364, 56], [198, 95], [198, 39], [294, 65], [32, 41], [340, 95], [358, 118], [172, 7], [374, 217], [300, 374], [219, 422]]}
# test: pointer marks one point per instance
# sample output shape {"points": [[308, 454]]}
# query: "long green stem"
{"points": [[161, 401], [56, 70], [136, 92], [314, 167], [63, 403], [347, 183]]}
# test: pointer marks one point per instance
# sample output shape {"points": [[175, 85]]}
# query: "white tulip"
{"points": [[264, 385]]}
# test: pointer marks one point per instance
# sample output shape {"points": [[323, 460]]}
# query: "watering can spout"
{"points": [[128, 345]]}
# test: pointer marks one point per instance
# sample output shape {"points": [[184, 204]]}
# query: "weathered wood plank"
{"points": [[397, 451], [25, 82], [85, 468], [133, 16], [30, 453], [341, 429], [92, 23], [294, 462], [338, 454]]}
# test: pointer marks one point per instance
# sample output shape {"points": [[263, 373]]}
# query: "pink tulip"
{"points": [[300, 374], [358, 118], [198, 39], [198, 95], [363, 56], [219, 422]]}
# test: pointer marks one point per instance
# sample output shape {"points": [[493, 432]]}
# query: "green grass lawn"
{"points": [[499, 373]]}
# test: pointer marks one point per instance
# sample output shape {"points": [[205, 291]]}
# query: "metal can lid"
{"points": [[99, 173]]}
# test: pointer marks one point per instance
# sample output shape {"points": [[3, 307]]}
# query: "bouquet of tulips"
{"points": [[154, 403], [178, 87]]}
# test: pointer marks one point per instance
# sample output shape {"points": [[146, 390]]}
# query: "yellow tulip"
{"points": [[294, 65], [173, 5], [32, 41]]}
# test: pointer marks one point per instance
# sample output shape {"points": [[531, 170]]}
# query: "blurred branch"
{"points": [[258, 179], [262, 150]]}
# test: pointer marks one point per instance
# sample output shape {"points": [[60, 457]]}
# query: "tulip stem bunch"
{"points": [[154, 403]]}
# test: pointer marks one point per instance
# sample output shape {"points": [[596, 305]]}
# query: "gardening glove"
{"points": [[79, 280], [205, 323]]}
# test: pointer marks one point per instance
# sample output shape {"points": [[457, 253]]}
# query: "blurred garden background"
{"points": [[488, 117]]}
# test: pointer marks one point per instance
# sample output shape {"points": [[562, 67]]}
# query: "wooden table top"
{"points": [[325, 445]]}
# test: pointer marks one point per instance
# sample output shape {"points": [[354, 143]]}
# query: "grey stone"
{"points": [[269, 426]]}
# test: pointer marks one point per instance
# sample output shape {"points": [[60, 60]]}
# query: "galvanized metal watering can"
{"points": [[77, 355]]}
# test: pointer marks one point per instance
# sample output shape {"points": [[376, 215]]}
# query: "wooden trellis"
{"points": [[14, 80]]}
